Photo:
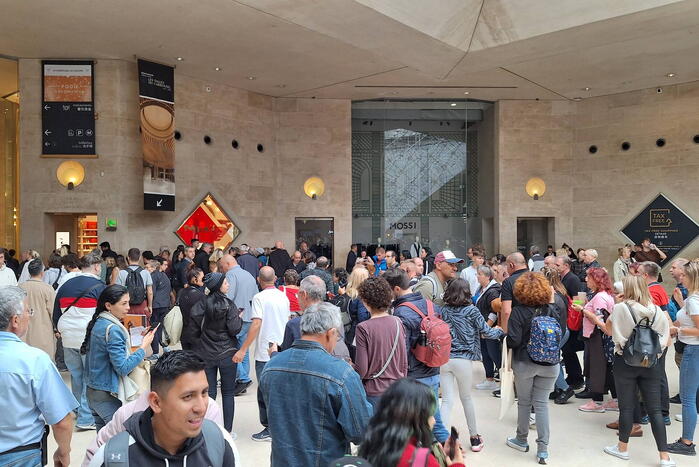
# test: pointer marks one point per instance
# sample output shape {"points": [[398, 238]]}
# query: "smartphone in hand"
{"points": [[454, 438]]}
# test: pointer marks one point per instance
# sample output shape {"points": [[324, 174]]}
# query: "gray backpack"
{"points": [[116, 451]]}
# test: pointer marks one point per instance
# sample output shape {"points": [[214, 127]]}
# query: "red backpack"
{"points": [[575, 317], [434, 344]]}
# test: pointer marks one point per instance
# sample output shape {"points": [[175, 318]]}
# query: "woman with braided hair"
{"points": [[107, 348]]}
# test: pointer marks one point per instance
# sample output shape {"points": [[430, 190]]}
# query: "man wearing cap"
{"points": [[432, 286]]}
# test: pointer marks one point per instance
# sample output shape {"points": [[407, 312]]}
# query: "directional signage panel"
{"points": [[665, 224], [67, 108]]}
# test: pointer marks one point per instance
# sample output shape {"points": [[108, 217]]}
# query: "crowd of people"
{"points": [[365, 349]]}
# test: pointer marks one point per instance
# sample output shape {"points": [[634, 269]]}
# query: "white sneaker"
{"points": [[614, 451], [488, 385], [678, 417], [667, 463], [234, 435], [532, 420]]}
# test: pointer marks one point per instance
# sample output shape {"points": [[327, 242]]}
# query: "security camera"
{"points": [[659, 90]]}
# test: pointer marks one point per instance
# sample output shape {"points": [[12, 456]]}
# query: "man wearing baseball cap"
{"points": [[433, 284]]}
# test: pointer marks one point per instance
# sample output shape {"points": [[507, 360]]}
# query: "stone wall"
{"points": [[593, 196], [262, 192]]}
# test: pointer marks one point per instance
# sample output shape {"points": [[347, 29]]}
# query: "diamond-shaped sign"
{"points": [[665, 224], [209, 223]]}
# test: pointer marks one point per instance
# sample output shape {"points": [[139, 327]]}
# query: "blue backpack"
{"points": [[545, 339]]}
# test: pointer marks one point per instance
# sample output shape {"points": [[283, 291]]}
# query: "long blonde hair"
{"points": [[691, 270], [636, 289], [358, 276]]}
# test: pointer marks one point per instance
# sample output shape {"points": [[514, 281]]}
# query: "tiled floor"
{"points": [[577, 438]]}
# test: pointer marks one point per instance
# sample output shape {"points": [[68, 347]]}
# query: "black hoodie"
{"points": [[144, 452]]}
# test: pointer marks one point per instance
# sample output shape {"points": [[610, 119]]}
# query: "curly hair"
{"points": [[376, 293], [532, 289]]}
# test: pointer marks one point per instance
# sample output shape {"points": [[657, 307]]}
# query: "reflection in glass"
{"points": [[209, 223]]}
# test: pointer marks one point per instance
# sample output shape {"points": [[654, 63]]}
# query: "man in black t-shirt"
{"points": [[570, 358], [516, 266], [570, 281]]}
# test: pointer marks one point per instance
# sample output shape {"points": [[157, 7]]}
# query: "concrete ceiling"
{"points": [[364, 49]]}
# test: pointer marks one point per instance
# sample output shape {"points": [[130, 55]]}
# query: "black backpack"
{"points": [[643, 347], [137, 289]]}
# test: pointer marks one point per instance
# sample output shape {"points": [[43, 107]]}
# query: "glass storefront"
{"points": [[9, 132], [415, 173]]}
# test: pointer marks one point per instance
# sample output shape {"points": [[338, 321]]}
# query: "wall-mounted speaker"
{"points": [[592, 149]]}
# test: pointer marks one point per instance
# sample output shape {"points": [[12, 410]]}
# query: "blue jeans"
{"points": [[689, 387], [243, 371], [226, 368], [103, 406], [561, 380], [440, 432], [76, 365], [30, 458]]}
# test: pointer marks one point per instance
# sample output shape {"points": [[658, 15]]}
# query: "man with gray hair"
{"points": [[248, 261], [329, 385], [73, 308], [32, 393], [536, 261], [41, 296], [311, 293], [320, 270]]}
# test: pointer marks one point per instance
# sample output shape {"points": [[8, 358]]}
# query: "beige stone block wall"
{"points": [[593, 196], [262, 192]]}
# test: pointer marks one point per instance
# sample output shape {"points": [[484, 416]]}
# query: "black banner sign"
{"points": [[666, 226], [67, 107], [156, 90]]}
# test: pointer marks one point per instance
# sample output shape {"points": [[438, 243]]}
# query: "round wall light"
{"points": [[535, 187], [70, 174], [314, 187]]}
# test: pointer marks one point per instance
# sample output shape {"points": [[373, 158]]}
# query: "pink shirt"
{"points": [[600, 301], [116, 425]]}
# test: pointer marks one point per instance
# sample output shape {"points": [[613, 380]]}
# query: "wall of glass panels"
{"points": [[416, 173]]}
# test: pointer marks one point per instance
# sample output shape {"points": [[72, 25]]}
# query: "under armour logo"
{"points": [[116, 457]]}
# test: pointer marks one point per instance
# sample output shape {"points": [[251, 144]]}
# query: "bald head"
{"points": [[266, 276], [517, 259], [227, 262], [279, 245]]}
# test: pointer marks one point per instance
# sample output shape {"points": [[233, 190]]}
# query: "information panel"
{"points": [[67, 107], [665, 224]]}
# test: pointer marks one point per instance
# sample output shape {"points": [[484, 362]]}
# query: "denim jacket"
{"points": [[106, 361], [316, 406]]}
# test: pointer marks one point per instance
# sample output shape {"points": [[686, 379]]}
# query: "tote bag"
{"points": [[507, 381]]}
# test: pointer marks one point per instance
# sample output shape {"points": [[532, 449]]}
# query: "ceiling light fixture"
{"points": [[218, 68], [453, 104], [252, 78], [466, 92], [179, 59], [586, 88], [670, 75]]}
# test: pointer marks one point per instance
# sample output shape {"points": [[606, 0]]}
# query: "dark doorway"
{"points": [[319, 233], [537, 231]]}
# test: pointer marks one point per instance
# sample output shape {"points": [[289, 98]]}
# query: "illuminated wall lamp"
{"points": [[70, 174], [314, 187], [535, 188]]}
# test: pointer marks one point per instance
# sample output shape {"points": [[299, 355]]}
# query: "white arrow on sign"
{"points": [[47, 132], [159, 203], [46, 107]]}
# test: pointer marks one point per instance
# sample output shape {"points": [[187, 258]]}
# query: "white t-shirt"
{"points": [[470, 275], [7, 276], [691, 307], [145, 275], [272, 307]]}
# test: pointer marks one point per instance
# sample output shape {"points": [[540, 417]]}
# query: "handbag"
{"points": [[393, 351], [575, 317], [507, 381]]}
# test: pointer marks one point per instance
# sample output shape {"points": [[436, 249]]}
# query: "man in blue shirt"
{"points": [[328, 385], [242, 287], [380, 261], [32, 393]]}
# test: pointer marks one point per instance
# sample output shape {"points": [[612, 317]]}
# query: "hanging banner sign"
{"points": [[665, 224], [67, 108], [156, 92]]}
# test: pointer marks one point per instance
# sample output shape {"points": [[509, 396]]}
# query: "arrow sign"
{"points": [[47, 107], [159, 203], [47, 132]]}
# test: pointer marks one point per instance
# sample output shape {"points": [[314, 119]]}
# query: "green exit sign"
{"points": [[111, 224]]}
